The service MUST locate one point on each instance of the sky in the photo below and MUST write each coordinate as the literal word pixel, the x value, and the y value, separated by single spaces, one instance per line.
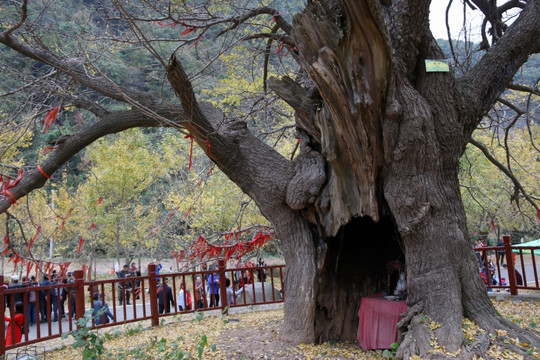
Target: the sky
pixel 438 21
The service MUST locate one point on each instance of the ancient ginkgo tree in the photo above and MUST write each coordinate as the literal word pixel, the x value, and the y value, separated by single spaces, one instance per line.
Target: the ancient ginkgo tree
pixel 376 178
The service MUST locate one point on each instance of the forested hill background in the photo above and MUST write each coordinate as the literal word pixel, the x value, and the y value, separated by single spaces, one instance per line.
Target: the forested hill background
pixel 134 193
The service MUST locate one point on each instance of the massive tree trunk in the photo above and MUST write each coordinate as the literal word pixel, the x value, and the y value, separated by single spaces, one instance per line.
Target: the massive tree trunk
pixel 392 136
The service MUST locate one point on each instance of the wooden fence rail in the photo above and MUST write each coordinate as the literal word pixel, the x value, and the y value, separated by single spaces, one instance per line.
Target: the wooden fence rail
pixel 131 299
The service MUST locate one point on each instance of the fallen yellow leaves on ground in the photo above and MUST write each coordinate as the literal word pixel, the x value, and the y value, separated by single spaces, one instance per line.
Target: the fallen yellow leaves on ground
pixel 255 335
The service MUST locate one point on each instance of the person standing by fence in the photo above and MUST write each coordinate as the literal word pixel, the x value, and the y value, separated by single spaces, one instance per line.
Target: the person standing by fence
pixel 213 288
pixel 165 297
pixel 44 295
pixel 124 287
pixel 102 314
pixel 262 272
pixel 500 253
pixel 32 314
pixel 184 298
pixel 15 324
pixel 200 296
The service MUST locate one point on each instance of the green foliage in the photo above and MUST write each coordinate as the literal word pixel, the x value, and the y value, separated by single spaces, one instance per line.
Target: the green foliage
pixel 487 192
pixel 134 330
pixel 391 354
pixel 90 340
pixel 163 349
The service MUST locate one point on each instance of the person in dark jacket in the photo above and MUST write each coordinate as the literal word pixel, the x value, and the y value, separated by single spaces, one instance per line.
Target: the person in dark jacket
pixel 44 295
pixel 17 297
pixel 165 297
pixel 101 310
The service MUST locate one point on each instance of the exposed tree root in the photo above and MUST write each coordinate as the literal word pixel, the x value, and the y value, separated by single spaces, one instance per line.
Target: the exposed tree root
pixel 495 335
pixel 416 340
pixel 509 329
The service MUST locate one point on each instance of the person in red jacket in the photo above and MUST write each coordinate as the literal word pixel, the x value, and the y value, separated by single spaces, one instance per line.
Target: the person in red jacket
pixel 16 322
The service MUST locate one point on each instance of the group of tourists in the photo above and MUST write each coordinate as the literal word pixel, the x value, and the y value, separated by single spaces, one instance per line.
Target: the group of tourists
pixel 205 293
pixel 52 303
pixel 488 268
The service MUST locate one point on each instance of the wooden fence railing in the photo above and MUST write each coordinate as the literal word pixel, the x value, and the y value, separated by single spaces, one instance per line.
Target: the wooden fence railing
pixel 132 299
pixel 518 275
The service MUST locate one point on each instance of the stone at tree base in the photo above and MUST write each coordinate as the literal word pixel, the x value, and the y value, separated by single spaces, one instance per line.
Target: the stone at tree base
pixel 248 290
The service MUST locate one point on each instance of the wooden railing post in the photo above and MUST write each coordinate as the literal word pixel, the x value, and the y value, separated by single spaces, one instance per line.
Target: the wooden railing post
pixel 223 286
pixel 79 295
pixel 510 264
pixel 152 283
pixel 2 323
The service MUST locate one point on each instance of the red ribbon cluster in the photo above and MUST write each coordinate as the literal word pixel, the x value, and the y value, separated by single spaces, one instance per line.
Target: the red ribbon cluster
pixel 47 267
pixel 48 149
pixel 281 46
pixel 202 248
pixel 8 184
pixel 50 118
pixel 189 29
pixel 178 255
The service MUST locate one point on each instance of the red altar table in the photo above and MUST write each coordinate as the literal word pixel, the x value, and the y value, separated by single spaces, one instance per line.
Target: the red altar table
pixel 377 322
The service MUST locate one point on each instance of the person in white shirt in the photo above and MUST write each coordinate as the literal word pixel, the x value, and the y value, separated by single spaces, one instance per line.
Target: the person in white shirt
pixel 184 298
pixel 231 294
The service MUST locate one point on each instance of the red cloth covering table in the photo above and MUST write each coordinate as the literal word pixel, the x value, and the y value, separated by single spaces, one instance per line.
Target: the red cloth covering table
pixel 377 322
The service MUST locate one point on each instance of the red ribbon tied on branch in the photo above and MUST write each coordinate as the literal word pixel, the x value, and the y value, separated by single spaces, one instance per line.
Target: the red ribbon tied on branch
pixel 50 118
pixel 189 29
pixel 195 43
pixel 174 23
pixel 48 149
pixel 8 184
pixel 189 136
pixel 33 239
pixel 275 16
pixel 61 227
pixel 81 241
pixel 201 248
pixel 281 46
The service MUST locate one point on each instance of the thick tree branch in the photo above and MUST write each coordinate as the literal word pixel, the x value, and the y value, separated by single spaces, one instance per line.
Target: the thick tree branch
pixel 491 76
pixel 238 20
pixel 259 170
pixel 77 70
pixel 72 144
pixel 501 167
pixel 524 88
pixel 24 16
